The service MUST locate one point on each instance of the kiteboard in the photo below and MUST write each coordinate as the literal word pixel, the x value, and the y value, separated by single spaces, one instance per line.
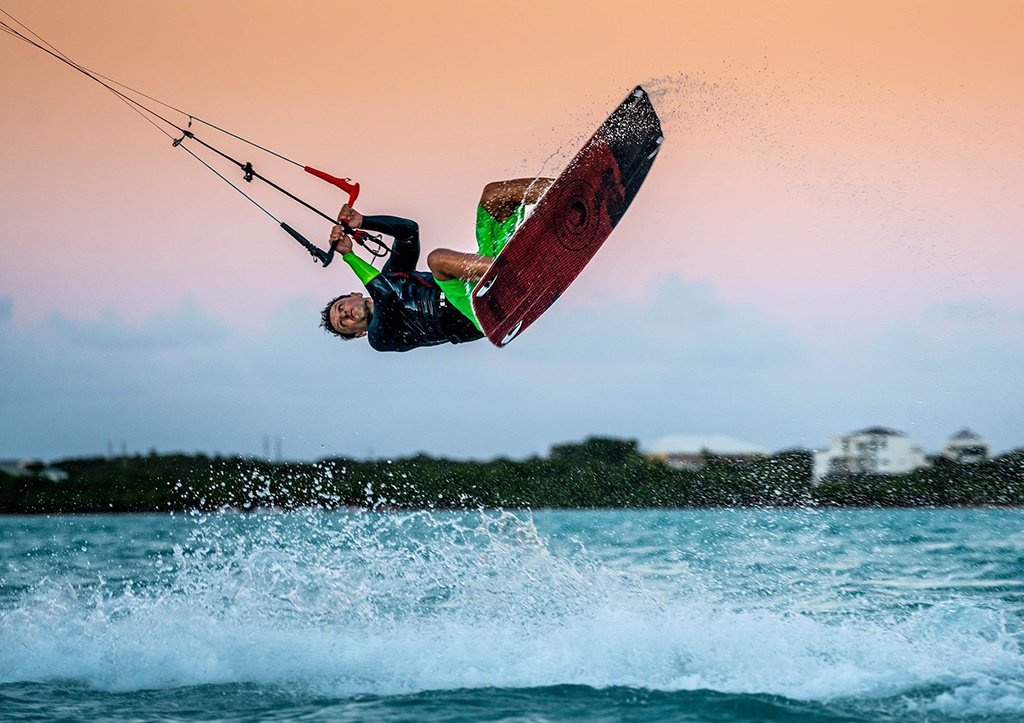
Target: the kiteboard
pixel 570 223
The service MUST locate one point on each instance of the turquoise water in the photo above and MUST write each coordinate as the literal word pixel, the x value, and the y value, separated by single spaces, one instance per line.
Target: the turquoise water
pixel 610 615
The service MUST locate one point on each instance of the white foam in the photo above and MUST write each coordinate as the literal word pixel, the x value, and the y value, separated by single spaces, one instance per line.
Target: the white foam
pixel 388 604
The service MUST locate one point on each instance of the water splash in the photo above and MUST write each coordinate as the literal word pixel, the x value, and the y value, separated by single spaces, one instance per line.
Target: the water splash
pixel 367 603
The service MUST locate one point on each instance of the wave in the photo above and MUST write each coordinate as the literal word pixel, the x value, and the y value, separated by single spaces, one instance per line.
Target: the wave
pixel 397 604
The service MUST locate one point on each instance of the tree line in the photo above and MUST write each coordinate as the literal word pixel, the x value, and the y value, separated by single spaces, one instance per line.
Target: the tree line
pixel 595 473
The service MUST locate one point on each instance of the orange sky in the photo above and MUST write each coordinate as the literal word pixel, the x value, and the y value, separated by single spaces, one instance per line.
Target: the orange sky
pixel 794 128
pixel 839 206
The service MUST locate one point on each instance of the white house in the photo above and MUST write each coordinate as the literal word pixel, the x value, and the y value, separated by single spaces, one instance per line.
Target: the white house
pixel 875 450
pixel 966 447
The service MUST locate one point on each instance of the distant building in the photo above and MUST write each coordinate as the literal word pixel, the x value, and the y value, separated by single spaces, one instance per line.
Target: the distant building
pixel 875 450
pixel 965 447
pixel 691 452
pixel 31 468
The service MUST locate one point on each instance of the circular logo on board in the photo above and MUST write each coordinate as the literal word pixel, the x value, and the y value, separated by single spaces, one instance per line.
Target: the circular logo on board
pixel 577 216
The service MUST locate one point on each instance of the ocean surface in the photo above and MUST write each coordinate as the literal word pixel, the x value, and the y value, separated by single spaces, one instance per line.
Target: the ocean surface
pixel 696 615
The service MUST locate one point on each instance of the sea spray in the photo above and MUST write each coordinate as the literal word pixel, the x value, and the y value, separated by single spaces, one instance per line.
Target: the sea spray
pixel 365 603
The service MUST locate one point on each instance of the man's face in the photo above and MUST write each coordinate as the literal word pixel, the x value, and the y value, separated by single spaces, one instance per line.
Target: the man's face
pixel 351 314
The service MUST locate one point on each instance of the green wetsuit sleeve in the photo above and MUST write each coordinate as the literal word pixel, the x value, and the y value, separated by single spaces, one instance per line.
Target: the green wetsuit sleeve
pixel 364 271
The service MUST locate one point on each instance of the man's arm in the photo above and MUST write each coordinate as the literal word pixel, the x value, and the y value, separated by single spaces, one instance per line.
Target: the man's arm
pixel 342 243
pixel 405 251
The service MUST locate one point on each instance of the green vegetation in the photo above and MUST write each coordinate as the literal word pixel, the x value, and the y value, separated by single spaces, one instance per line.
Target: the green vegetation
pixel 595 473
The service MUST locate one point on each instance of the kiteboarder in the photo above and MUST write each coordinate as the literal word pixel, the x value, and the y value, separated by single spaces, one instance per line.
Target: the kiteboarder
pixel 406 308
pixel 465 296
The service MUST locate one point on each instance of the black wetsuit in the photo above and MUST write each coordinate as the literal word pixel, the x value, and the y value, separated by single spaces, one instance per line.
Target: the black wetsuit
pixel 409 309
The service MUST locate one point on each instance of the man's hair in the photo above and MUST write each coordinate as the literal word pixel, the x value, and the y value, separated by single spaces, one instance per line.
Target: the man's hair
pixel 325 319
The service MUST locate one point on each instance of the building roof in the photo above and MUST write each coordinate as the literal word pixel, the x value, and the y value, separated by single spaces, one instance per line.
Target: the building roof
pixel 881 432
pixel 697 443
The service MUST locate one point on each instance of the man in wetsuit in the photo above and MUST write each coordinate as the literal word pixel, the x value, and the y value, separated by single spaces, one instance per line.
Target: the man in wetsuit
pixel 407 308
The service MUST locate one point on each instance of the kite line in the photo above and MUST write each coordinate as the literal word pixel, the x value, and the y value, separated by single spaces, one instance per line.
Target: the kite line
pixel 183 135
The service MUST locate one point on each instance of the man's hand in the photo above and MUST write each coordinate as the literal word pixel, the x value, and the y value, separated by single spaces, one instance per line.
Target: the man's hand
pixel 350 216
pixel 341 241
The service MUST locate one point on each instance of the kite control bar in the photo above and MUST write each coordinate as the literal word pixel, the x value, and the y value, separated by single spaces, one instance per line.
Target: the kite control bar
pixel 358 236
pixel 350 187
pixel 325 257
pixel 346 184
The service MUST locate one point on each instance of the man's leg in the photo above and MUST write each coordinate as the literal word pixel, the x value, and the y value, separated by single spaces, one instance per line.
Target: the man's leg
pixel 502 208
pixel 446 265
pixel 456 274
pixel 501 198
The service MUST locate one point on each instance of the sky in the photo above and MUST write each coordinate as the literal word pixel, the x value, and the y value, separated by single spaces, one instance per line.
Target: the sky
pixel 830 239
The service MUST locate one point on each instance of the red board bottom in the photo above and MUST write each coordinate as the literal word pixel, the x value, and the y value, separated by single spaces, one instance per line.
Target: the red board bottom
pixel 571 222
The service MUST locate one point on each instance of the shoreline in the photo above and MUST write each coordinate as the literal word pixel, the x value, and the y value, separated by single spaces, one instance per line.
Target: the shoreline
pixel 594 474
